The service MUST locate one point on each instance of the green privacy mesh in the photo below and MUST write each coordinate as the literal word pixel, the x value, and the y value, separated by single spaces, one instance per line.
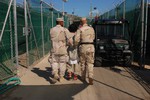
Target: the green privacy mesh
pixel 35 41
pixel 131 9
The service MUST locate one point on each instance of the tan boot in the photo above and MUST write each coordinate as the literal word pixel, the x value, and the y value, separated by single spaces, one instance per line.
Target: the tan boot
pixel 56 77
pixel 90 81
pixel 61 79
pixel 53 81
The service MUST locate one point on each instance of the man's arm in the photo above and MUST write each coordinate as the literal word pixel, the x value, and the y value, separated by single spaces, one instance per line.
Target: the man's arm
pixel 68 37
pixel 93 34
pixel 77 37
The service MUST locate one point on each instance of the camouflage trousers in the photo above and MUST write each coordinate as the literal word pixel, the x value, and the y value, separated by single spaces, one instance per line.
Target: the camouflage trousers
pixel 87 61
pixel 59 65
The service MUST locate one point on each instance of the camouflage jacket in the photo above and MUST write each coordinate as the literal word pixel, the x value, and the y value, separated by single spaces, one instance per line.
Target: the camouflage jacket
pixel 59 38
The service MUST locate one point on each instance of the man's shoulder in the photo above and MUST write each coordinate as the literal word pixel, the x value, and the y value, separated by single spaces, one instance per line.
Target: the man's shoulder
pixel 57 27
pixel 89 27
pixel 85 27
pixel 65 28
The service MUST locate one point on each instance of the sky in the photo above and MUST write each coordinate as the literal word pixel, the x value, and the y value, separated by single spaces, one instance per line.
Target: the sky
pixel 82 7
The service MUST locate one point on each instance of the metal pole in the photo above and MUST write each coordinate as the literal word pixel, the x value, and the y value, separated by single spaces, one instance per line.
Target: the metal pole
pixel 58 15
pixel 107 26
pixel 115 18
pixel 145 38
pixel 26 32
pixel 52 19
pixel 142 35
pixel 91 8
pixel 124 14
pixel 15 30
pixel 63 9
pixel 5 21
pixel 42 29
pixel 108 14
pixel 11 38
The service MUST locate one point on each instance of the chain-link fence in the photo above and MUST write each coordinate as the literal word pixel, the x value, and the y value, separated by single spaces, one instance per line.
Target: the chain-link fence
pixel 33 40
pixel 135 12
pixel 7 69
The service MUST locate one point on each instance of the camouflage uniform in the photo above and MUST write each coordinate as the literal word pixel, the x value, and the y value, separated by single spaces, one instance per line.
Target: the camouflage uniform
pixel 59 35
pixel 85 35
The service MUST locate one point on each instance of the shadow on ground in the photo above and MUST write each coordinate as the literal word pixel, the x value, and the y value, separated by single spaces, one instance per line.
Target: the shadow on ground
pixel 135 71
pixel 117 89
pixel 46 74
pixel 141 75
pixel 147 61
pixel 47 92
pixel 144 74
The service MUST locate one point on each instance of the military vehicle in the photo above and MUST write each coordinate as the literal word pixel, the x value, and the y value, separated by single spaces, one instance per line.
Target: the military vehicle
pixel 112 42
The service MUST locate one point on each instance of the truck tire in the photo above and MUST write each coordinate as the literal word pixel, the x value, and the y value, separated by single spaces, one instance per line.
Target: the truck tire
pixel 128 61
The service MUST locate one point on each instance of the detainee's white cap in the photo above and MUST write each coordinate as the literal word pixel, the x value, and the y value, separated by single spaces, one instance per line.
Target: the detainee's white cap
pixel 60 19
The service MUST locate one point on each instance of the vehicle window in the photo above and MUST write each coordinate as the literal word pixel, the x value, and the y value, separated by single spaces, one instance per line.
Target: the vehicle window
pixel 106 31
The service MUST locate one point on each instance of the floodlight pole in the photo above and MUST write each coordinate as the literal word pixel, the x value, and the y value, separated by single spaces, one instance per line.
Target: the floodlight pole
pixel 63 9
pixel 91 9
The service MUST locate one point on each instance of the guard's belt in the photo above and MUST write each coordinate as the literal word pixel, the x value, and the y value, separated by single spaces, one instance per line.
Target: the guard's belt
pixel 86 43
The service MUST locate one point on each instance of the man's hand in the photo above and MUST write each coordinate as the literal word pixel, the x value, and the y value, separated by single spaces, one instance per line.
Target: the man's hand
pixel 70 42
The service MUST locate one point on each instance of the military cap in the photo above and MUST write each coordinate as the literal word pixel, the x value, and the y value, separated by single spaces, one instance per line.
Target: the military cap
pixel 60 19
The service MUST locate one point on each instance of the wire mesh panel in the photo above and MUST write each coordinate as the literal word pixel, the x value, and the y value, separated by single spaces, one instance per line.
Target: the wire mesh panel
pixel 120 10
pixel 35 41
pixel 7 68
pixel 35 23
pixel 133 15
pixel 148 35
pixel 112 14
pixel 21 36
pixel 131 10
pixel 47 25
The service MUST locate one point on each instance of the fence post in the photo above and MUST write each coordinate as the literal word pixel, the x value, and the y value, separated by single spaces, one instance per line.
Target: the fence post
pixel 15 31
pixel 145 33
pixel 124 14
pixel 26 32
pixel 142 35
pixel 5 21
pixel 58 15
pixel 52 18
pixel 42 31
pixel 11 39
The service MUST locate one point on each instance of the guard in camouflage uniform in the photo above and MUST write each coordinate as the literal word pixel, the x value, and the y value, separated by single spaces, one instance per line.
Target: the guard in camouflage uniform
pixel 85 37
pixel 59 36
